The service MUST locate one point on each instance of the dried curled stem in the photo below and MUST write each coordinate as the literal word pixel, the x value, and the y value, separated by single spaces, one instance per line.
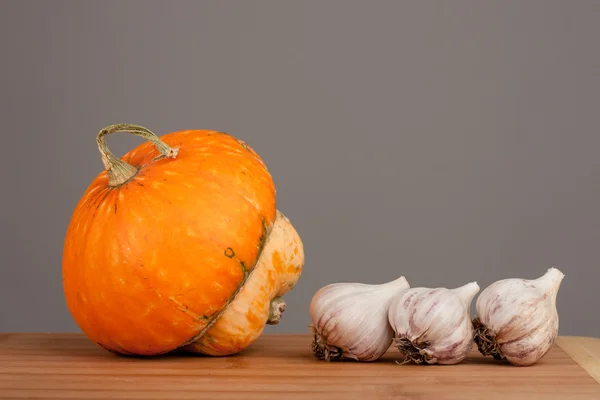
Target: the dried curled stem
pixel 486 340
pixel 118 170
pixel 323 351
pixel 276 310
pixel 414 351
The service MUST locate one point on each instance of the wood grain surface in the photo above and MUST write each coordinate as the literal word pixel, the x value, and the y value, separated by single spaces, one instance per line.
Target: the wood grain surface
pixel 68 366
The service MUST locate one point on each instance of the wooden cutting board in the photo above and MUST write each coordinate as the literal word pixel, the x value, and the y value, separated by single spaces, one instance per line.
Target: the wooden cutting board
pixel 68 366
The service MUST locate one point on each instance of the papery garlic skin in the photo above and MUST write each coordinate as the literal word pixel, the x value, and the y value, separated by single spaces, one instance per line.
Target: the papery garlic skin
pixel 349 320
pixel 433 325
pixel 517 319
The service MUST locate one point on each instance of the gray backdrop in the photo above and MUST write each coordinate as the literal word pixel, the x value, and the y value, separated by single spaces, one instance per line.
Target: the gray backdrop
pixel 444 141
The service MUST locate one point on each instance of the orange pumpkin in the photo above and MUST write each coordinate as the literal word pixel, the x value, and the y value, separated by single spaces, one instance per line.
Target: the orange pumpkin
pixel 179 245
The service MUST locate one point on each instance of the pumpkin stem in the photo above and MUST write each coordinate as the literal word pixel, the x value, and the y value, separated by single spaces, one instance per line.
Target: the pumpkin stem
pixel 118 170
pixel 276 310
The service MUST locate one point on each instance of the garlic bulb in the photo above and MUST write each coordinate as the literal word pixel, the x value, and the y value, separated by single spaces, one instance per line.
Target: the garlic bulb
pixel 349 320
pixel 517 319
pixel 433 325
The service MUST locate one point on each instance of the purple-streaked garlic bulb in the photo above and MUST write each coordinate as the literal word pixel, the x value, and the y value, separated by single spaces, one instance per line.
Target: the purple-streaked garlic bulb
pixel 349 320
pixel 517 320
pixel 433 325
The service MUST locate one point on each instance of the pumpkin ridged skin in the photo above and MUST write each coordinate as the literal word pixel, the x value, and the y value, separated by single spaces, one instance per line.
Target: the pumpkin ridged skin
pixel 148 264
pixel 277 272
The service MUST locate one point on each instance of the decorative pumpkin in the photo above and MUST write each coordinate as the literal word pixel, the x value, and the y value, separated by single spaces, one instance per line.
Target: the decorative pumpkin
pixel 179 245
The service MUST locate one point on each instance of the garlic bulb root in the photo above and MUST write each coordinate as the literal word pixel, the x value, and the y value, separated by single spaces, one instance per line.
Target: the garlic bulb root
pixel 517 320
pixel 349 320
pixel 433 325
pixel 486 341
pixel 323 351
pixel 415 352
